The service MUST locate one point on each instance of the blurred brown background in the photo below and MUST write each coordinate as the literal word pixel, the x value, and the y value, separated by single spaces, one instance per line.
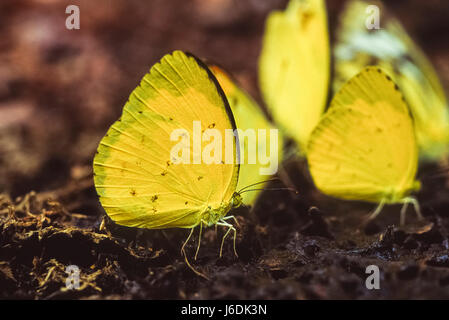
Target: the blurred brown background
pixel 60 89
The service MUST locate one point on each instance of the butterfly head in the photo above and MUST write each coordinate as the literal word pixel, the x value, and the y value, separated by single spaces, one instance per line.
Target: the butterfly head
pixel 236 200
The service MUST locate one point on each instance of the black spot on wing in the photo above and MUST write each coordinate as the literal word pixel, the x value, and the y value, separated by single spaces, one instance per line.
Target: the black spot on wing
pixel 225 102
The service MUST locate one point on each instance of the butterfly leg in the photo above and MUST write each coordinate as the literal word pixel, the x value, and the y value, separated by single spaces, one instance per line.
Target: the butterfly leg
pixel 417 208
pixel 406 201
pixel 377 210
pixel 230 227
pixel 415 204
pixel 183 252
pixel 187 240
pixel 231 217
pixel 403 211
pixel 199 240
pixel 222 241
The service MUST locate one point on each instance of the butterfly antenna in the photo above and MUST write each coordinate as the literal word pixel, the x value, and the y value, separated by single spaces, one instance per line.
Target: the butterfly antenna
pixel 260 182
pixel 271 189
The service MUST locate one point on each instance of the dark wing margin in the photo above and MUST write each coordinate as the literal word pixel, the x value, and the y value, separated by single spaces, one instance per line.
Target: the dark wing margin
pixel 226 103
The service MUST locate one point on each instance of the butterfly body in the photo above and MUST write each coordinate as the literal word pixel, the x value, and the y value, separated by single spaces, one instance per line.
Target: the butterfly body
pixel 212 215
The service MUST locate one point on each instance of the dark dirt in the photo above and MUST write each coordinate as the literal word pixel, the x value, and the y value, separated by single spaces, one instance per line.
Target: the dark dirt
pixel 59 91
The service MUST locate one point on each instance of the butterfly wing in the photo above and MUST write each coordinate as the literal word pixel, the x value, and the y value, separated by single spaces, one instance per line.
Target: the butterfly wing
pixel 294 67
pixel 139 182
pixel 248 115
pixel 364 147
pixel 391 48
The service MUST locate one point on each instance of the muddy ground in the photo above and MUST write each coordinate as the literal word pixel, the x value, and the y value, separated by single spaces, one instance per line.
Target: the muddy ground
pixel 61 89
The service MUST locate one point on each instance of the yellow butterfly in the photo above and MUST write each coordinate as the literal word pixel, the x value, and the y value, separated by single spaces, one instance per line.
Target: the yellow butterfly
pixel 391 48
pixel 248 115
pixel 294 67
pixel 140 181
pixel 364 147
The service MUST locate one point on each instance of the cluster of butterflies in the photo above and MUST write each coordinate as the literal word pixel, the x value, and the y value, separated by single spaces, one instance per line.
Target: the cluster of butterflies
pixel 389 112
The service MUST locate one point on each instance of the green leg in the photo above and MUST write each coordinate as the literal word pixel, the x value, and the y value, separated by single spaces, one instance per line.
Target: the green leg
pixel 231 217
pixel 377 210
pixel 230 227
pixel 183 252
pixel 187 240
pixel 403 211
pixel 199 239
pixel 415 204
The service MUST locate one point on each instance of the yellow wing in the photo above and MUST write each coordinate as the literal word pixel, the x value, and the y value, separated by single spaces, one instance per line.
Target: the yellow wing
pixel 391 48
pixel 294 67
pixel 248 115
pixel 364 147
pixel 139 182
